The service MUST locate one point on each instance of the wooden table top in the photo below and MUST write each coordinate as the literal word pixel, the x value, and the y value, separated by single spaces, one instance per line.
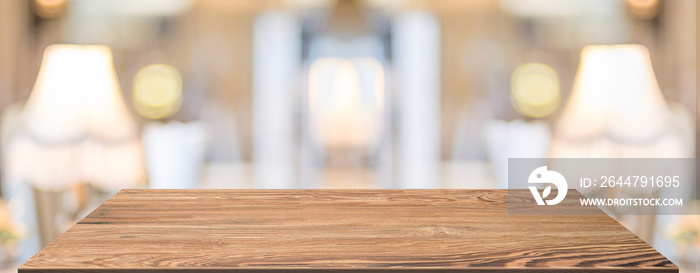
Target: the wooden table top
pixel 338 231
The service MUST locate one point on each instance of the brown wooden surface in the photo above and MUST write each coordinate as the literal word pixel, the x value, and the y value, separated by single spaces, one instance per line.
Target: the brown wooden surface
pixel 338 230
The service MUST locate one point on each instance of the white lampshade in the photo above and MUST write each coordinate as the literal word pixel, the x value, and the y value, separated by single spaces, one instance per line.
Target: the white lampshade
pixel 346 102
pixel 615 101
pixel 615 93
pixel 76 96
pixel 75 126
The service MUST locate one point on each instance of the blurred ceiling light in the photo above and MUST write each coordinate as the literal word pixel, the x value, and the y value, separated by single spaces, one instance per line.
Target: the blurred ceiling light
pixel 309 4
pixel 386 4
pixel 75 126
pixel 450 6
pixel 551 8
pixel 346 102
pixel 150 7
pixel 49 9
pixel 643 9
pixel 227 6
pixel 615 98
pixel 157 91
pixel 535 90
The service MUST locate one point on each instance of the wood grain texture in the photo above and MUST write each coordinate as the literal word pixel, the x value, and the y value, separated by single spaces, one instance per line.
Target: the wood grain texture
pixel 338 231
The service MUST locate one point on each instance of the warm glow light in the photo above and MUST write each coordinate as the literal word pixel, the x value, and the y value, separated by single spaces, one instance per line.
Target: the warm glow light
pixel 77 94
pixel 75 127
pixel 615 92
pixel 157 91
pixel 346 101
pixel 616 108
pixel 49 8
pixel 644 9
pixel 535 90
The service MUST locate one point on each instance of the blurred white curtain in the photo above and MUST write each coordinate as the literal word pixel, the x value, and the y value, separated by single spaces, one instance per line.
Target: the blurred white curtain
pixel 416 56
pixel 276 63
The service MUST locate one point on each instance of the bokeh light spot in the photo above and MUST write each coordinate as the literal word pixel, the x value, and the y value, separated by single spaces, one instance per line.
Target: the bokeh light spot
pixel 535 90
pixel 157 91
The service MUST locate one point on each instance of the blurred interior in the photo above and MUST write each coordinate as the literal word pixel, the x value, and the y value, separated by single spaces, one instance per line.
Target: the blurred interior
pixel 331 94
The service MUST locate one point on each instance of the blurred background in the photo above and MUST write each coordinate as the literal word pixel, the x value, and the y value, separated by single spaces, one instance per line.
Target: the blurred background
pixel 99 95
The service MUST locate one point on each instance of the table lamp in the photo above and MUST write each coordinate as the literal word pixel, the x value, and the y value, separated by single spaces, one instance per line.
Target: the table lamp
pixel 346 103
pixel 616 108
pixel 75 126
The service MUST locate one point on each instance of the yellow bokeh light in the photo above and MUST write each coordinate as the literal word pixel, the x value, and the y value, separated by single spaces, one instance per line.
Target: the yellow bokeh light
pixel 49 9
pixel 157 91
pixel 643 9
pixel 535 90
